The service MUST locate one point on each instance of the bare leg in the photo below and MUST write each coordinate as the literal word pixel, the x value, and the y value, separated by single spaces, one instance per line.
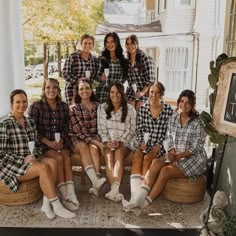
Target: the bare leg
pixel 60 167
pixel 166 173
pixel 147 160
pixel 67 165
pixel 137 162
pixel 120 155
pixel 109 159
pixel 95 154
pixel 84 153
pixel 46 179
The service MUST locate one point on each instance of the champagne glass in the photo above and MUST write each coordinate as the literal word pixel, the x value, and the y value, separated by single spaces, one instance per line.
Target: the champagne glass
pixel 106 72
pixel 114 137
pixel 166 145
pixel 134 87
pixel 31 145
pixel 146 138
pixel 87 73
pixel 57 138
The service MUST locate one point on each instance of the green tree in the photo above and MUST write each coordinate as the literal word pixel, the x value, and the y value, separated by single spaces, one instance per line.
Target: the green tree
pixel 58 21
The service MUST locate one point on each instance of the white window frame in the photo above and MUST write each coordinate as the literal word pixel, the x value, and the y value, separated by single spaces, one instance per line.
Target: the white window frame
pixel 177 68
pixel 180 5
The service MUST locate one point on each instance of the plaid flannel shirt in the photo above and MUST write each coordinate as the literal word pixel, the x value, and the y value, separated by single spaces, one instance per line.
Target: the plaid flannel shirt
pixel 142 77
pixel 74 69
pixel 14 148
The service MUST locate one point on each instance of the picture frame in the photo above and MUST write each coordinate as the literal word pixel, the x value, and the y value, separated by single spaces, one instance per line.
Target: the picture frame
pixel 224 113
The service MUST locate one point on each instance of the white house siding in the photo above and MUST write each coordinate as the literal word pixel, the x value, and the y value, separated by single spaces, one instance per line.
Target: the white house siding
pixel 179 20
pixel 11 48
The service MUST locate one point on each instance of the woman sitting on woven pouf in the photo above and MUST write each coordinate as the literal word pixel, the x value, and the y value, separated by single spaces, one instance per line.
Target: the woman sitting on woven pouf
pixel 186 153
pixel 51 116
pixel 21 159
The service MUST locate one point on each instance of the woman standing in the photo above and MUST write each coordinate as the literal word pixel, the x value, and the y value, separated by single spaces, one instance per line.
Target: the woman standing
pixel 84 135
pixel 112 66
pixel 116 126
pixel 20 164
pixel 77 64
pixel 151 130
pixel 141 72
pixel 186 138
pixel 51 116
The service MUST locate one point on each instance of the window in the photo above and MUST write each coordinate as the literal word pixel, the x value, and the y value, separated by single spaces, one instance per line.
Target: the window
pixel 176 68
pixel 231 41
pixel 184 4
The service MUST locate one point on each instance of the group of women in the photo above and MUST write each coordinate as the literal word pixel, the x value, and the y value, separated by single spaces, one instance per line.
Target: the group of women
pixel 98 125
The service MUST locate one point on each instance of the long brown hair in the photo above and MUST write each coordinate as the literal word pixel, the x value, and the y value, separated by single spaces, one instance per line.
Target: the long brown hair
pixel 55 82
pixel 123 104
pixel 192 100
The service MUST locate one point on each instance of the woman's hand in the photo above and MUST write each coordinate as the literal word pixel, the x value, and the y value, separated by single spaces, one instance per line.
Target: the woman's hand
pixel 29 159
pixel 138 95
pixel 143 147
pixel 156 148
pixel 55 145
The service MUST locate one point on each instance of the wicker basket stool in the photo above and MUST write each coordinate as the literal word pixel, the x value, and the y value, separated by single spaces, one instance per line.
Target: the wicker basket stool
pixel 27 193
pixel 185 190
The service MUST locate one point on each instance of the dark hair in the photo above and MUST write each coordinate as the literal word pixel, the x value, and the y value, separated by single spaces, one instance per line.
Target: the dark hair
pixel 15 92
pixel 192 100
pixel 77 98
pixel 105 55
pixel 55 82
pixel 124 105
pixel 134 40
pixel 159 85
pixel 86 36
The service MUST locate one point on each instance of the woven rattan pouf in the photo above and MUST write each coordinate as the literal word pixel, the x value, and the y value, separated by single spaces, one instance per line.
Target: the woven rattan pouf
pixel 185 190
pixel 27 193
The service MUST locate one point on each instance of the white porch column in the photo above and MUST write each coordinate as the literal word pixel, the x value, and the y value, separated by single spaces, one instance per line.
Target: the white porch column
pixel 11 52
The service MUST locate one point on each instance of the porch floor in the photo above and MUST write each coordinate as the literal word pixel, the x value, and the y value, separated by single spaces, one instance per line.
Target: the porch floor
pixel 106 216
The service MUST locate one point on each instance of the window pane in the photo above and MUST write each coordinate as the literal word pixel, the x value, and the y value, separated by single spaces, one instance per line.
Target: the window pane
pixel 186 2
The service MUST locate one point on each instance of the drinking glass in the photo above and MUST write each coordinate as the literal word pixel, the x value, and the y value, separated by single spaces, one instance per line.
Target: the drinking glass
pixel 146 138
pixel 87 73
pixel 57 138
pixel 166 145
pixel 114 137
pixel 134 87
pixel 106 72
pixel 31 145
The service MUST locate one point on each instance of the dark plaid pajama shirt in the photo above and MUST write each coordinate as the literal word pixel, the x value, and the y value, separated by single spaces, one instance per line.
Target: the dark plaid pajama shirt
pixel 190 137
pixel 50 121
pixel 142 77
pixel 83 123
pixel 156 127
pixel 14 148
pixel 74 69
pixel 115 74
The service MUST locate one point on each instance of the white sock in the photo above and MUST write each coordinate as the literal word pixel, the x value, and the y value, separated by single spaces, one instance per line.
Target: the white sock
pixel 96 182
pixel 47 208
pixel 135 184
pixel 147 202
pixel 140 198
pixel 113 192
pixel 62 188
pixel 59 210
pixel 70 190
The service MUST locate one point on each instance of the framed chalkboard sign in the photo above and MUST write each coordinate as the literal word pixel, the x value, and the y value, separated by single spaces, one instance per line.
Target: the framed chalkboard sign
pixel 224 114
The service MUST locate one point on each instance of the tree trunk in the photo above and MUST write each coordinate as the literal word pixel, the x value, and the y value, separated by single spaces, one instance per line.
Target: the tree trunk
pixel 46 47
pixel 59 58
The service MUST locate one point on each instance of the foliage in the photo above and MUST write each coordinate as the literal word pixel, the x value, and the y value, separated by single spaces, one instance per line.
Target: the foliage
pixel 215 136
pixel 230 226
